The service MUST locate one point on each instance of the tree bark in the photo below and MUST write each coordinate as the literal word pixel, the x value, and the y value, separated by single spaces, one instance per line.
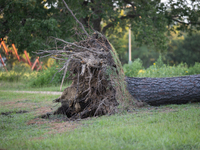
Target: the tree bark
pixel 159 91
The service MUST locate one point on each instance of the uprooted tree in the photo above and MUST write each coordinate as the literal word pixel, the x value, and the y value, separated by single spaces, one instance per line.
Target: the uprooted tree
pixel 98 82
pixel 98 85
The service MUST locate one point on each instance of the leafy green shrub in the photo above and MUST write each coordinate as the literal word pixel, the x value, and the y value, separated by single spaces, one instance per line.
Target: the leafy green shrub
pixel 164 71
pixel 47 77
pixel 22 68
pixel 159 69
pixel 194 69
pixel 132 69
pixel 159 62
pixel 10 76
pixel 13 76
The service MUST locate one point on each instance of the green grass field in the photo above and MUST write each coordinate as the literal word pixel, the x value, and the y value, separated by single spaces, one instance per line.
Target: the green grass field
pixel 171 127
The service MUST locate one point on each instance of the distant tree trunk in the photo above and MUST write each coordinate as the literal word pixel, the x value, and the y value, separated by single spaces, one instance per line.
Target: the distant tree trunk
pixel 159 91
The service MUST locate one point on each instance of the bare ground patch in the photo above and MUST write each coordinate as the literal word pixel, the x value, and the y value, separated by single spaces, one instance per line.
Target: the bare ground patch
pixel 62 127
pixel 43 110
pixel 37 121
pixel 19 104
pixel 7 104
pixel 55 125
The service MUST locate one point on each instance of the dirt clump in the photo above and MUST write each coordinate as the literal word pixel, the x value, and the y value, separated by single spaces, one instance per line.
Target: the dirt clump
pixel 13 112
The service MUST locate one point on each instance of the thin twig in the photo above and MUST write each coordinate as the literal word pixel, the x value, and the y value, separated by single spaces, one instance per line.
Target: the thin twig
pixel 81 47
pixel 76 19
pixel 66 67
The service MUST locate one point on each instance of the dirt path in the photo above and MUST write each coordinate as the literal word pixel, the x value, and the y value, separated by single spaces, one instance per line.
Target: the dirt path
pixel 39 92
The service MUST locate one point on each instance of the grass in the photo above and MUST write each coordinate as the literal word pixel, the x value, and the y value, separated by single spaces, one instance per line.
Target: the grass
pixel 22 86
pixel 165 127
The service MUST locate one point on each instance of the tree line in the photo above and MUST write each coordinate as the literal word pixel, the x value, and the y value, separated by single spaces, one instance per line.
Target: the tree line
pixel 30 23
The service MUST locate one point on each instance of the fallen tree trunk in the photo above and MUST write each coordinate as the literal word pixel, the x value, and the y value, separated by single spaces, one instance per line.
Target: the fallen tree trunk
pixel 159 91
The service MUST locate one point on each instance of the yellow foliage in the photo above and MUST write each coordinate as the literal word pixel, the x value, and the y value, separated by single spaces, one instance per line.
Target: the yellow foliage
pixel 50 62
pixel 119 29
pixel 122 13
pixel 19 74
pixel 141 71
pixel 45 7
pixel 30 75
pixel 1 16
pixel 175 34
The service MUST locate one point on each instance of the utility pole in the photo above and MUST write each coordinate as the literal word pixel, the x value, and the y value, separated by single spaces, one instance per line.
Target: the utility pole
pixel 129 61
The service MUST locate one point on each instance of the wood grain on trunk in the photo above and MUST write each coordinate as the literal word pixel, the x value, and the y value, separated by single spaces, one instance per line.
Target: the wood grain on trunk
pixel 159 91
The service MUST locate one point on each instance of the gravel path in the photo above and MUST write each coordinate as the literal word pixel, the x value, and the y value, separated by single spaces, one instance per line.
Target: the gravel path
pixel 38 92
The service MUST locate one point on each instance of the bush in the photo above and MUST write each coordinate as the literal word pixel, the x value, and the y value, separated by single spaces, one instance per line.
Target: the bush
pixel 10 76
pixel 47 78
pixel 195 69
pixel 132 69
pixel 159 69
pixel 19 72
pixel 164 71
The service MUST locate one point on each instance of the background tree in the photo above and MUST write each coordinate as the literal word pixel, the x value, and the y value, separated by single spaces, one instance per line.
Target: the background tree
pixel 184 50
pixel 147 54
pixel 27 23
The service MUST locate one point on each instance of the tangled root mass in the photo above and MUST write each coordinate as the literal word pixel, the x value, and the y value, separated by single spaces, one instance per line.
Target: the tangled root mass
pixel 92 92
pixel 98 85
